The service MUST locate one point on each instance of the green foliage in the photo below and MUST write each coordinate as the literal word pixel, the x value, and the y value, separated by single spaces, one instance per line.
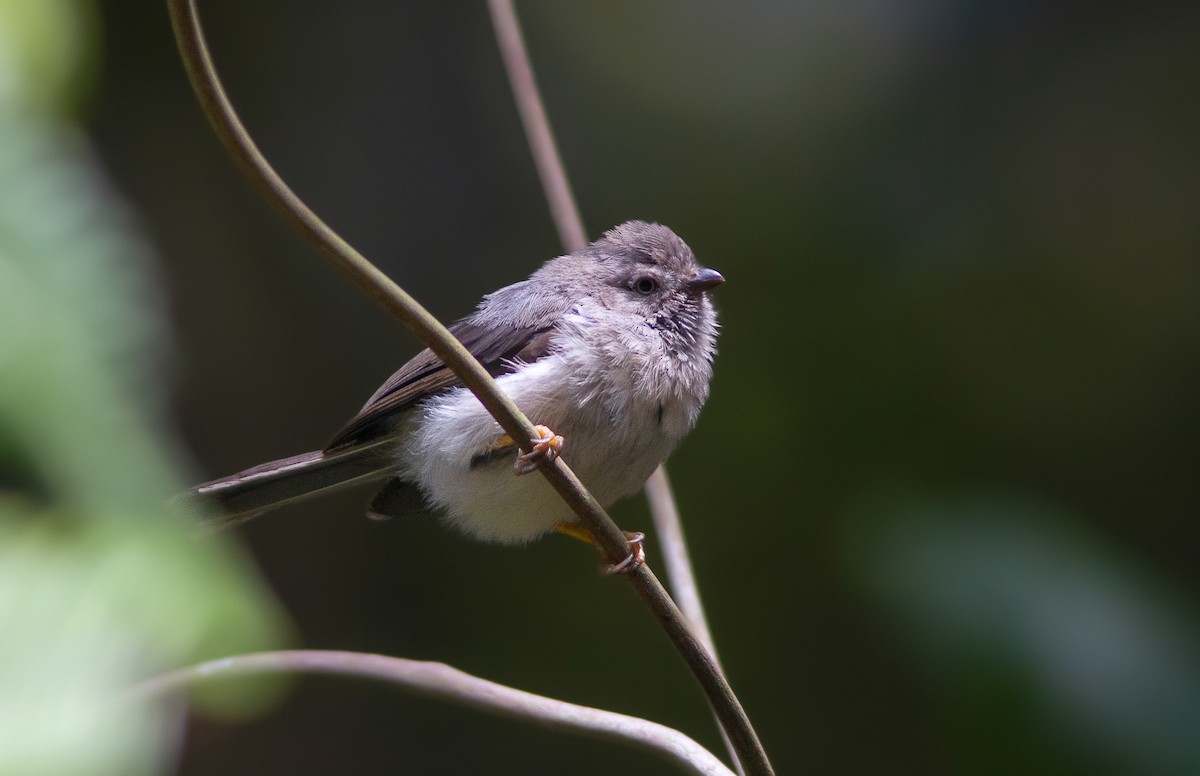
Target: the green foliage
pixel 1051 653
pixel 100 585
pixel 47 50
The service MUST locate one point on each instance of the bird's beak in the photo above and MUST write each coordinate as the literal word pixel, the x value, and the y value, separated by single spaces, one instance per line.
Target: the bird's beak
pixel 704 280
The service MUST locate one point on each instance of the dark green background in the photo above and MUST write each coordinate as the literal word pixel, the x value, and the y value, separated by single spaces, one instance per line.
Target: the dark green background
pixel 943 501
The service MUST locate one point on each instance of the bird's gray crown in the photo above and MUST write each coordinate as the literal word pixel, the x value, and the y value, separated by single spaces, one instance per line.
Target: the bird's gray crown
pixel 644 243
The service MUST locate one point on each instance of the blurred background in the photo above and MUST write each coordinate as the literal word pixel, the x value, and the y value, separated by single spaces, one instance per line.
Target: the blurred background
pixel 943 501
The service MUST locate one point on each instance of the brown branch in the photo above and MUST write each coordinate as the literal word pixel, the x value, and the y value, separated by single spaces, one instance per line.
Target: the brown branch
pixel 442 682
pixel 395 300
pixel 377 285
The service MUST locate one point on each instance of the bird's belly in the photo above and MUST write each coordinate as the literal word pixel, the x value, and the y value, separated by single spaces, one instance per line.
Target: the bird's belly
pixel 613 457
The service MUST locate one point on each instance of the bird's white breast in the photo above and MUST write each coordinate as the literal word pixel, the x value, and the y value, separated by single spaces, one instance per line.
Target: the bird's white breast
pixel 620 400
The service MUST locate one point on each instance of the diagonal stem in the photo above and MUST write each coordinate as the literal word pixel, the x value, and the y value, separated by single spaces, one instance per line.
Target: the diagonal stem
pixel 375 283
pixel 395 300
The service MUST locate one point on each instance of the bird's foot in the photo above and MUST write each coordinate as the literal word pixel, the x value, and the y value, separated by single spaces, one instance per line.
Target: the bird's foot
pixel 636 557
pixel 546 447
pixel 636 539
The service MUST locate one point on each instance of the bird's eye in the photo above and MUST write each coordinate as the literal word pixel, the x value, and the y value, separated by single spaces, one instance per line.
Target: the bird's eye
pixel 645 285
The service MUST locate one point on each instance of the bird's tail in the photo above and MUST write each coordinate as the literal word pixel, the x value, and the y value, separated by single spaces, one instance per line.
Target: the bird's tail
pixel 267 486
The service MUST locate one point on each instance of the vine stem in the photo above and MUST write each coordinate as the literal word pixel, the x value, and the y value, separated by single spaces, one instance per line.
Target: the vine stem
pixel 440 681
pixel 611 541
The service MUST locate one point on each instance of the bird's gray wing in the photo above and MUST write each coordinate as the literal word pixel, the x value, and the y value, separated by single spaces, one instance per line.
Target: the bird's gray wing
pixel 497 347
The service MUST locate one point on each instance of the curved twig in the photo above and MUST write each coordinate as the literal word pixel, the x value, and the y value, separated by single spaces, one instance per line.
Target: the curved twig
pixel 395 300
pixel 443 682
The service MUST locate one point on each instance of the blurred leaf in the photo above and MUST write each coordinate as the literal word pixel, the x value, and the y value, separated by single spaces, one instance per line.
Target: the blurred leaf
pixel 46 53
pixel 79 325
pixel 100 585
pixel 1053 652
pixel 88 609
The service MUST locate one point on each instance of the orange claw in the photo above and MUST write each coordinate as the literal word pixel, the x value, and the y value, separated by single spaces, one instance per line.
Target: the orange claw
pixel 637 554
pixel 546 447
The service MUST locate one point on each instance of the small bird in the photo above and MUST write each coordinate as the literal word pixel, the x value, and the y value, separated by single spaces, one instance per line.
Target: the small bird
pixel 610 346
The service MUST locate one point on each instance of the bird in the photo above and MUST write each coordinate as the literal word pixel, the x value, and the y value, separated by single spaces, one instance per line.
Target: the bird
pixel 608 349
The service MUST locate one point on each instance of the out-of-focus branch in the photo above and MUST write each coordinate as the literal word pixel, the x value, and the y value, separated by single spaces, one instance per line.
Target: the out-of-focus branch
pixel 668 529
pixel 565 212
pixel 440 681
pixel 680 576
pixel 570 227
pixel 609 538
pixel 549 164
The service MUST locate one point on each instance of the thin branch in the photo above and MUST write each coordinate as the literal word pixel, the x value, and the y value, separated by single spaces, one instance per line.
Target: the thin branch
pixel 378 286
pixel 565 212
pixel 537 126
pixel 442 682
pixel 669 531
pixel 375 283
pixel 570 227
